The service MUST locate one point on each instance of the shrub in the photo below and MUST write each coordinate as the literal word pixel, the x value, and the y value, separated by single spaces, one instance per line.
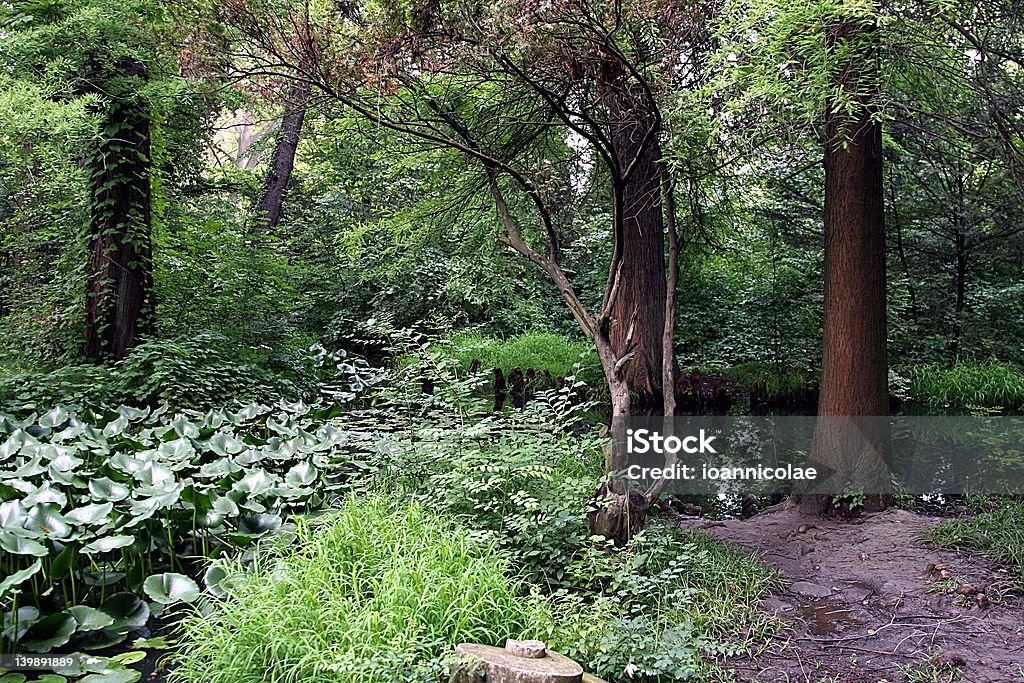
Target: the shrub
pixel 374 592
pixel 969 384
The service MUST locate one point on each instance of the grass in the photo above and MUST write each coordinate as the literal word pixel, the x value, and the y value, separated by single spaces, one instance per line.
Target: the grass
pixel 541 350
pixel 377 591
pixel 775 383
pixel 998 533
pixel 987 384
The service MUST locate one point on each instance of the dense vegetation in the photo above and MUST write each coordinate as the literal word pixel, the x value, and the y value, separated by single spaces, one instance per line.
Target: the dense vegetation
pixel 313 315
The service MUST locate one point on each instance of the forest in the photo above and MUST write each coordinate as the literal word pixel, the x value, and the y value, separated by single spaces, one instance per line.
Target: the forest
pixel 323 324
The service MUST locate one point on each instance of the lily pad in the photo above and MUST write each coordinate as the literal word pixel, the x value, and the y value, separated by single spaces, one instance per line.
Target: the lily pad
pixel 47 520
pixel 108 543
pixel 106 489
pixel 49 632
pixel 20 545
pixel 169 588
pixel 93 513
pixel 90 618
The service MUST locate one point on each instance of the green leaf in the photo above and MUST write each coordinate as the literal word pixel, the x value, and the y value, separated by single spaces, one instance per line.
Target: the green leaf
pixel 105 489
pixel 46 519
pixel 49 632
pixel 108 543
pixel 169 588
pixel 93 513
pixel 54 418
pixel 302 474
pixel 113 676
pixel 129 611
pixel 20 545
pixel 90 618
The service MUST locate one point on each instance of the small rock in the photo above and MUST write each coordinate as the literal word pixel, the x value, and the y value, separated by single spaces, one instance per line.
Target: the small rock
pixel 804 528
pixel 811 590
pixel 981 600
pixel 967 589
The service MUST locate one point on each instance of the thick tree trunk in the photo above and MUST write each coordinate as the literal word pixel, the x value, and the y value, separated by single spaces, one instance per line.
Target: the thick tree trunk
pixel 638 308
pixel 120 275
pixel 271 204
pixel 854 381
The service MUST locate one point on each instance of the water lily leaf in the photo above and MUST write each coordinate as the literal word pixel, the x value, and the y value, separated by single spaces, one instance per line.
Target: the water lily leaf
pixel 55 418
pixel 64 562
pixel 46 494
pixel 106 489
pixel 19 545
pixel 49 632
pixel 121 675
pixel 154 474
pixel 256 482
pixel 123 462
pixel 101 578
pixel 219 468
pixel 108 543
pixel 19 577
pixel 169 588
pixel 179 449
pixel 302 474
pixel 51 678
pixel 65 461
pixel 132 414
pixel 184 427
pixel 13 678
pixel 46 519
pixel 93 513
pixel 12 514
pixel 129 658
pixel 12 445
pixel 224 444
pixel 258 525
pixel 130 612
pixel 32 468
pixel 142 510
pixel 116 427
pixel 90 618
pixel 15 624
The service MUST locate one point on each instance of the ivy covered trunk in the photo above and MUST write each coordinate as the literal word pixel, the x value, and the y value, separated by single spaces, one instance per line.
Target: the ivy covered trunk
pixel 120 275
pixel 271 206
pixel 854 381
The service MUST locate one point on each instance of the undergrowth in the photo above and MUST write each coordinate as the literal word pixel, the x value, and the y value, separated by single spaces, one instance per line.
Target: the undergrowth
pixel 988 384
pixel 998 533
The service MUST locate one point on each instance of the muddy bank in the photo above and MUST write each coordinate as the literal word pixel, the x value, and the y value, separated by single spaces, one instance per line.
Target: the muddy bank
pixel 868 601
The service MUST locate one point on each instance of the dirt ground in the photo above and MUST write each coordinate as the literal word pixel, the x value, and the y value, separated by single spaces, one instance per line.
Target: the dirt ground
pixel 868 601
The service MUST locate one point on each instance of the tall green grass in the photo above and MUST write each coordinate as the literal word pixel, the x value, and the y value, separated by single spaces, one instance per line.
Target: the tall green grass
pixel 988 384
pixel 998 533
pixel 541 350
pixel 377 592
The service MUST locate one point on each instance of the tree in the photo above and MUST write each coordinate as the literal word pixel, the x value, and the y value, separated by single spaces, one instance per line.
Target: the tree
pixel 854 371
pixel 120 273
pixel 511 86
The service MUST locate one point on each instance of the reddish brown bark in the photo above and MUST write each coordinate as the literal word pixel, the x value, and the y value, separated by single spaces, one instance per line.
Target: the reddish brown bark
pixel 638 306
pixel 854 379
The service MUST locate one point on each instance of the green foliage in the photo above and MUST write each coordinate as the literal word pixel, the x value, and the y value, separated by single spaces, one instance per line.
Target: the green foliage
pixel 199 372
pixel 97 501
pixel 376 591
pixel 539 350
pixel 989 384
pixel 998 533
pixel 774 382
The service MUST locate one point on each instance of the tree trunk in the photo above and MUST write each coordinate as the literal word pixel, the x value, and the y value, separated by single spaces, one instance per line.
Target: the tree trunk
pixel 854 379
pixel 120 276
pixel 271 203
pixel 638 308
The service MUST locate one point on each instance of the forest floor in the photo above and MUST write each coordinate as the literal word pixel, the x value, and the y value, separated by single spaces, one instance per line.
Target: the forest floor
pixel 869 601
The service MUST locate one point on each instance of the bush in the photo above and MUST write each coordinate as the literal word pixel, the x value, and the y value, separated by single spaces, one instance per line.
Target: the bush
pixel 969 384
pixel 200 371
pixel 374 592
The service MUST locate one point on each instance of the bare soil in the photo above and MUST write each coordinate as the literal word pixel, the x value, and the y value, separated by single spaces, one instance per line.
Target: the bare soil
pixel 869 601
